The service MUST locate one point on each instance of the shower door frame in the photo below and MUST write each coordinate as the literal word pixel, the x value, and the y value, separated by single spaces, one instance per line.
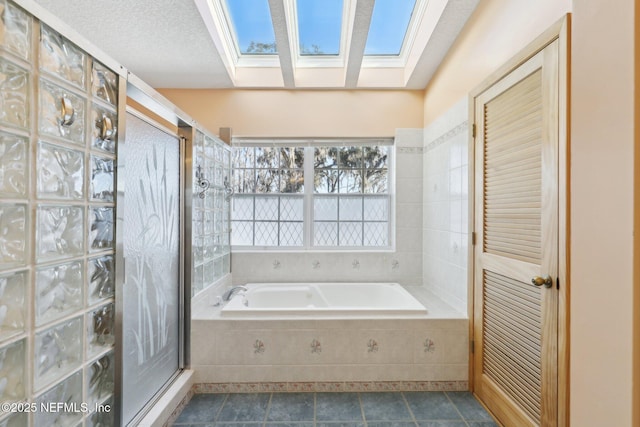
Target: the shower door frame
pixel 139 91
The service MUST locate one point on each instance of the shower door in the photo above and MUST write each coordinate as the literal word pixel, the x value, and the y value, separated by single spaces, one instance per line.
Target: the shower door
pixel 151 293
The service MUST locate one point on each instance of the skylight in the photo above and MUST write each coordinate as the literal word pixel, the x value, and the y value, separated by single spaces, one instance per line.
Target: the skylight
pixel 251 20
pixel 389 24
pixel 319 26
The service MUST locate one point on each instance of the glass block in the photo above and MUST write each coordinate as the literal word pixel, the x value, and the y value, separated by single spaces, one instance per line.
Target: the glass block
pixel 13 308
pixel 208 274
pixel 244 181
pixel 104 83
pixel 101 274
pixel 226 156
pixel 198 282
pixel 291 233
pixel 13 165
pixel 15 420
pixel 60 172
pixel 266 208
pixel 325 157
pixel 350 181
pixel 267 157
pixel 291 181
pixel 102 179
pixel 217 274
pixel 217 223
pixel 14 95
pixel 13 375
pixel 198 249
pixel 291 208
pixel 103 417
pixel 61 113
pixel 350 208
pixel 243 157
pixel 59 232
pixel 376 208
pixel 69 392
pixel 376 234
pixel 325 208
pixel 15 29
pixel 226 264
pixel 376 180
pixel 217 176
pixel 13 235
pixel 209 218
pixel 208 248
pixel 350 157
pixel 218 151
pixel 100 332
pixel 325 180
pixel 209 147
pixel 267 181
pixel 58 351
pixel 104 129
pixel 58 291
pixel 350 234
pixel 60 57
pixel 242 233
pixel 217 245
pixel 100 380
pixel 325 233
pixel 101 227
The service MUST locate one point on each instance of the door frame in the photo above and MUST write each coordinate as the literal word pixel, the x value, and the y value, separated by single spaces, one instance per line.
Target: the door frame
pixel 558 31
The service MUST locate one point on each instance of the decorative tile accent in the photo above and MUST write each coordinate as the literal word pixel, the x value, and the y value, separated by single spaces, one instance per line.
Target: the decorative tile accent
pixel 355 264
pixel 462 127
pixel 372 346
pixel 316 347
pixel 409 150
pixel 316 264
pixel 178 410
pixel 276 264
pixel 395 264
pixel 331 386
pixel 258 347
pixel 429 346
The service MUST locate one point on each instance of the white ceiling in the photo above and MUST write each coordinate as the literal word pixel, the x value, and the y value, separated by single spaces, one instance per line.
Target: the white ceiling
pixel 168 44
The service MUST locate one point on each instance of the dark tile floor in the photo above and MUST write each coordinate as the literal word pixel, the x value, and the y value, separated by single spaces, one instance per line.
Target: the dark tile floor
pixel 415 409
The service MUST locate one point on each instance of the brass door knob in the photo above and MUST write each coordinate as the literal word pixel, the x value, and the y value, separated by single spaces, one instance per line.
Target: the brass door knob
pixel 547 281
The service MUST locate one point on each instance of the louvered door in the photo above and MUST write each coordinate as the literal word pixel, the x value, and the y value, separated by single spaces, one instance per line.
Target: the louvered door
pixel 516 225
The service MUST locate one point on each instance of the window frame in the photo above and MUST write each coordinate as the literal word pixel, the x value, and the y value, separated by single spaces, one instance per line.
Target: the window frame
pixel 309 194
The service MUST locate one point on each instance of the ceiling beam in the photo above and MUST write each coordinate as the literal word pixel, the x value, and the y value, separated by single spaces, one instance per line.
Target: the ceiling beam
pixel 362 20
pixel 278 17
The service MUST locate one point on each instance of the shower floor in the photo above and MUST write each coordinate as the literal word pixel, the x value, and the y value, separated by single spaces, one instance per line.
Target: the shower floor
pixel 388 409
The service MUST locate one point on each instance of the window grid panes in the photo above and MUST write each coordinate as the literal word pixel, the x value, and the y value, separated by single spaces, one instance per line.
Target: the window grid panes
pixel 347 203
pixel 252 26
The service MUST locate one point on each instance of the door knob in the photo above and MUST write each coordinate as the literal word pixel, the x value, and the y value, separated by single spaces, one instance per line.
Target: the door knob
pixel 547 281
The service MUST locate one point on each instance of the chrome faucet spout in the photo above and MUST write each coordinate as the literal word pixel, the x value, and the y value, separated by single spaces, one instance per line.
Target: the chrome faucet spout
pixel 227 295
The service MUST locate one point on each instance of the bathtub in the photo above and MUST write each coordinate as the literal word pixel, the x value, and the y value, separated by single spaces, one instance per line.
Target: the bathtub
pixel 324 300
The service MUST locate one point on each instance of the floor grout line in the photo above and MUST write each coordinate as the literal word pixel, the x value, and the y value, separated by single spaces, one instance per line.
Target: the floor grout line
pixel 464 420
pixel 364 418
pixel 406 402
pixel 266 414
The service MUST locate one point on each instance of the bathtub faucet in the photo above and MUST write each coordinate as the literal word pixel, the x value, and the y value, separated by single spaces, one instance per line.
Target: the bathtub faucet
pixel 227 295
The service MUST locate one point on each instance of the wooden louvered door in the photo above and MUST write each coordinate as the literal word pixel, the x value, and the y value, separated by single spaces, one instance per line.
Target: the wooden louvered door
pixel 516 226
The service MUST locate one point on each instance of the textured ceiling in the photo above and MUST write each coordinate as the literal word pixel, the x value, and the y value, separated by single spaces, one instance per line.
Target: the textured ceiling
pixel 168 45
pixel 164 42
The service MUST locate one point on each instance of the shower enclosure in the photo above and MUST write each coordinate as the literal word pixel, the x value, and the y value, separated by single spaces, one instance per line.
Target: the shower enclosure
pixel 96 215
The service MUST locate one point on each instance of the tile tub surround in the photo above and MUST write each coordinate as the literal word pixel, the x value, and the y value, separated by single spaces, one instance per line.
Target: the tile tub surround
pixel 365 354
pixel 446 213
pixel 404 265
pixel 425 409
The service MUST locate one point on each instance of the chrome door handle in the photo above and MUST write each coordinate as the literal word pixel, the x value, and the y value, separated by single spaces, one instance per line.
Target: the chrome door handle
pixel 547 281
pixel 107 131
pixel 67 112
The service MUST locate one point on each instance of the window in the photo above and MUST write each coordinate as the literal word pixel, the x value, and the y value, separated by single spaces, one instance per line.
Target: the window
pixel 389 25
pixel 312 196
pixel 251 22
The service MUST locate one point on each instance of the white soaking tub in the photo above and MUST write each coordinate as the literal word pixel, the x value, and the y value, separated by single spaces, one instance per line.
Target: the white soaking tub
pixel 323 299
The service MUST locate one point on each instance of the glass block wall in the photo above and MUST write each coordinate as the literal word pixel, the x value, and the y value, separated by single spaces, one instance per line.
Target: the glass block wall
pixel 58 135
pixel 211 201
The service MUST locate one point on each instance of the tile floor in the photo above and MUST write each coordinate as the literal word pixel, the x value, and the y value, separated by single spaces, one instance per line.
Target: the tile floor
pixel 416 409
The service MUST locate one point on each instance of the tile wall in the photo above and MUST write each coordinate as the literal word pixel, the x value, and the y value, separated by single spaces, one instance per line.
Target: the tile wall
pixel 404 265
pixel 445 234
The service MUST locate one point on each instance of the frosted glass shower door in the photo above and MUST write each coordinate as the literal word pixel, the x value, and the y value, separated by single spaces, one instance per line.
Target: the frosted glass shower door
pixel 151 236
